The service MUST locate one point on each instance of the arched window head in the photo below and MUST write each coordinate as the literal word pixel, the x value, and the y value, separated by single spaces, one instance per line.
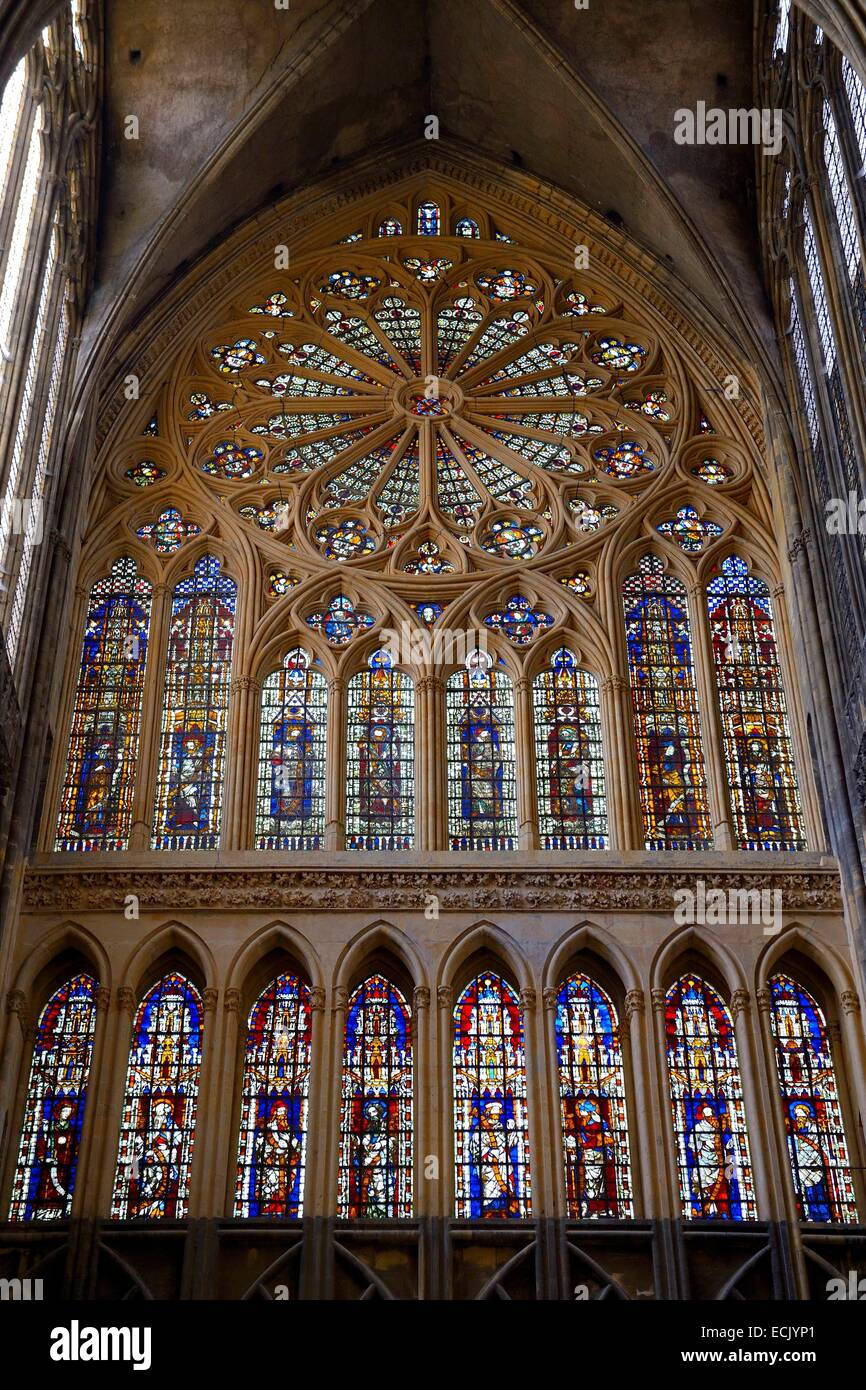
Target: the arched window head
pixel 159 1105
pixel 817 1147
pixel 715 1169
pixel 491 1140
pixel 390 227
pixel 380 798
pixel 272 1142
pixel 376 1127
pixel 592 1094
pixel 429 219
pixel 195 710
pixel 572 813
pixel 290 812
pixel 468 227
pixel 673 785
pixel 482 805
pixel 96 801
pixel 757 741
pixel 44 1181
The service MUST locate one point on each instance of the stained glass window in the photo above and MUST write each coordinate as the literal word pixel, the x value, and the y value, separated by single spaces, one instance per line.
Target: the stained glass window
pixel 512 539
pixel 159 1105
pixel 518 620
pixel 667 728
pixel 376 1158
pixel 482 804
pixel 44 1180
pixel 817 1148
pixel 711 472
pixel 144 472
pixel 466 226
pixel 592 1098
pixel 195 710
pixel 428 220
pixel 380 809
pixel 272 1140
pixel 572 812
pixel 390 227
pixel 491 1139
pixel 290 811
pixel 168 532
pixel 690 531
pixel 96 803
pixel 340 622
pixel 707 1100
pixel 757 741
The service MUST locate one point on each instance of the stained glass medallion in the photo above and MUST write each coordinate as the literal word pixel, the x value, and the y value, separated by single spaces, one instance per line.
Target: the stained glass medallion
pixel 690 531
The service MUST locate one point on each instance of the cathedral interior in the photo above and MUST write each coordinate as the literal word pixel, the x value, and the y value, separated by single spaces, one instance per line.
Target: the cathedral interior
pixel 432 452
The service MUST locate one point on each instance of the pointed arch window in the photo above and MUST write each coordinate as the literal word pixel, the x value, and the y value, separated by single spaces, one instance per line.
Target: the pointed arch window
pixel 195 710
pixel 592 1098
pixel 44 1181
pixel 429 219
pixel 482 800
pixel 272 1143
pixel 102 761
pixel 380 796
pixel 673 785
pixel 815 1130
pixel 292 736
pixel 376 1130
pixel 159 1104
pixel 713 1161
pixel 757 741
pixel 572 811
pixel 491 1132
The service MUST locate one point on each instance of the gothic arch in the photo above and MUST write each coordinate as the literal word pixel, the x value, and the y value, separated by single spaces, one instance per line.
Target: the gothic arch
pixel 484 941
pixel 699 943
pixel 590 939
pixel 174 945
pixel 274 939
pixel 68 940
pixel 372 944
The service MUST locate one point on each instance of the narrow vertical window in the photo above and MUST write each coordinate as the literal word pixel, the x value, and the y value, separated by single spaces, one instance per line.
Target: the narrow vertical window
pixel 826 333
pixel 380 796
pixel 159 1105
pixel 757 741
pixel 482 802
pixel 292 735
pixel 569 765
pixel 195 710
pixel 20 235
pixel 817 1147
pixel 665 703
pixel 376 1159
pixel 709 1116
pixel 857 104
pixel 491 1138
pixel 429 220
pixel 101 765
pixel 44 1181
pixel 272 1142
pixel 592 1097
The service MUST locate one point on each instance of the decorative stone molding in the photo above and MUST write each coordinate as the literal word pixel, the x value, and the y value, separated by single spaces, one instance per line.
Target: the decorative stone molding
pixel 550 997
pixel 633 1003
pixel 614 684
pixel 125 1000
pixel 740 1001
pixel 850 1001
pixel 242 683
pixel 341 999
pixel 232 1001
pixel 799 544
pixel 102 996
pixel 16 1003
pixel 445 997
pixel 659 998
pixel 421 997
pixel 430 683
pixel 473 890
pixel 209 999
pixel 528 997
pixel 765 1000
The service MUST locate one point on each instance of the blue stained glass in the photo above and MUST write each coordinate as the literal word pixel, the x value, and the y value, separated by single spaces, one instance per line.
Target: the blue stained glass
pixel 291 782
pixel 380 812
pixel 340 622
pixel 482 810
pixel 429 219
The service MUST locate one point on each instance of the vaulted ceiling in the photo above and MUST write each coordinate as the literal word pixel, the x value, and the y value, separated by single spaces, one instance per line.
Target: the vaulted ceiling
pixel 240 103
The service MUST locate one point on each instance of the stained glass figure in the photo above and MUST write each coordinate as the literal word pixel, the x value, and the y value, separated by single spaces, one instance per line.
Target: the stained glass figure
pixel 759 755
pixel 654 404
pixel 340 622
pixel 44 1181
pixel 276 306
pixel 665 704
pixel 491 1129
pixel 231 358
pixel 619 355
pixel 627 459
pixel 273 516
pixel 195 710
pixel 280 582
pixel 572 812
pixel 427 613
pixel 505 284
pixel 512 539
pixel 230 460
pixel 96 802
pixel 577 304
pixel 598 1179
pixel 578 583
pixel 518 620
pixel 272 1141
pixel 349 284
pixel 380 809
pixel 704 426
pixel 203 407
pixel 589 517
pixel 712 472
pixel 428 559
pixel 466 227
pixel 709 1116
pixel 390 227
pixel 482 803
pixel 376 1129
pixel 168 532
pixel 144 472
pixel 428 271
pixel 817 1147
pixel 346 539
pixel 690 532
pixel 159 1105
pixel 429 219
pixel 290 807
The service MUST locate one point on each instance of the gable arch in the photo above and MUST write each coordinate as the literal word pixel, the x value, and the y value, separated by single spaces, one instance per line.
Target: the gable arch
pixel 68 943
pixel 589 939
pixel 688 947
pixel 371 947
pixel 245 972
pixel 173 946
pixel 822 956
pixel 490 946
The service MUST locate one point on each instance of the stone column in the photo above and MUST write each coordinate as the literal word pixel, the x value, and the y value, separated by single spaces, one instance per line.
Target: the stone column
pixel 524 743
pixel 442 1130
pixel 241 767
pixel 335 778
pixel 777 1147
pixel 108 1097
pixel 640 1087
pixel 623 804
pixel 813 824
pixel 710 722
pixel 425 1187
pixel 208 1142
pixel 430 782
pixel 766 1189
pixel 144 797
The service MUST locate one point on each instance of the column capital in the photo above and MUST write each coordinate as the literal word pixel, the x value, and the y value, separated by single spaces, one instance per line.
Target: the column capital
pixel 420 998
pixel 445 997
pixel 336 685
pixel 341 999
pixel 430 683
pixel 614 685
pixel 550 997
pixel 16 1003
pixel 317 999
pixel 659 1000
pixel 528 997
pixel 244 683
pixel 740 1003
pixel 778 591
pixel 523 685
pixel 209 999
pixel 232 1000
pixel 764 999
pixel 125 1000
pixel 633 1003
pixel 850 1001
pixel 102 998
